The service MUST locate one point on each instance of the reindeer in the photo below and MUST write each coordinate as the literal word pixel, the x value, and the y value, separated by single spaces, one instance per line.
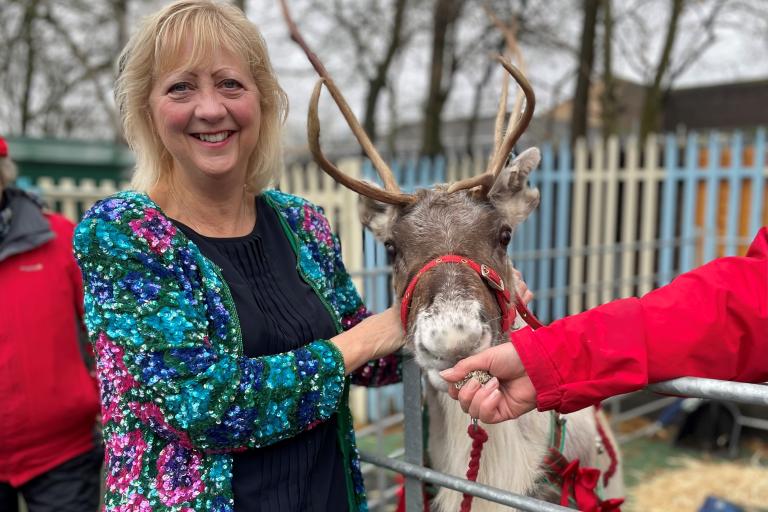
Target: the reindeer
pixel 453 310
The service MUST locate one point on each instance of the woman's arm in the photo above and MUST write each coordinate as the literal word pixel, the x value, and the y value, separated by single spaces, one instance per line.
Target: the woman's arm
pixel 369 371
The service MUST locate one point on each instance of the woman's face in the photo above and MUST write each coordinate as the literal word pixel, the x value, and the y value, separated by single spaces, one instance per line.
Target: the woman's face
pixel 208 117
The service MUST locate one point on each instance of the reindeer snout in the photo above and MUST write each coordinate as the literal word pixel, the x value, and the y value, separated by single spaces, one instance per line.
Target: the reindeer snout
pixel 444 335
pixel 454 341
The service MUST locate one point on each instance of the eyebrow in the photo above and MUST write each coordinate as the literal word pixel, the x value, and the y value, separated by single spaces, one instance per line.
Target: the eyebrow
pixel 227 69
pixel 189 72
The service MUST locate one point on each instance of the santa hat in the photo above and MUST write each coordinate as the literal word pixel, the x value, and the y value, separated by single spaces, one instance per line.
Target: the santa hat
pixel 3 147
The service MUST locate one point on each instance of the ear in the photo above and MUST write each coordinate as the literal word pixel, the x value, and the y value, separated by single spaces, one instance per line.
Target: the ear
pixel 376 216
pixel 510 193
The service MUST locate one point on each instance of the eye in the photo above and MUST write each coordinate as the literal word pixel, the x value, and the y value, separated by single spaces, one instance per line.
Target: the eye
pixel 505 236
pixel 180 87
pixel 230 83
pixel 391 250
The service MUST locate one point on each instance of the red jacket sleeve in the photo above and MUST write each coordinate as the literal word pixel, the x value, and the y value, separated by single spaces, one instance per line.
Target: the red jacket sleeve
pixel 709 322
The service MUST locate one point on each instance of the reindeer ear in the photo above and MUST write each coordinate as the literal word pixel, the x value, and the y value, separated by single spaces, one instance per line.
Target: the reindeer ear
pixel 376 216
pixel 510 193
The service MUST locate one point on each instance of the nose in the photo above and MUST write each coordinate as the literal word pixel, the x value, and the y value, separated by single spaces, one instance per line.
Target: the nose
pixel 210 106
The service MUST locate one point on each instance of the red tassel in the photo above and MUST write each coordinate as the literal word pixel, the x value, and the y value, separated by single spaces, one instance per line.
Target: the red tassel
pixel 479 437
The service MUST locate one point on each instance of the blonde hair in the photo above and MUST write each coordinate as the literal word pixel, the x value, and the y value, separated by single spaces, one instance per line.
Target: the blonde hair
pixel 155 49
pixel 7 171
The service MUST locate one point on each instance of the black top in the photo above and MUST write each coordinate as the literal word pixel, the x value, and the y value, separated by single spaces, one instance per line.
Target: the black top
pixel 278 312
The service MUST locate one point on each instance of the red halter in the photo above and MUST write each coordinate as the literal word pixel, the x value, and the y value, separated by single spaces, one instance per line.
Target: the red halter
pixel 489 276
pixel 503 298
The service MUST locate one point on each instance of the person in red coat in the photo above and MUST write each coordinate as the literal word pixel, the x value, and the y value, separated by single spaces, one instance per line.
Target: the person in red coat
pixel 49 452
pixel 710 322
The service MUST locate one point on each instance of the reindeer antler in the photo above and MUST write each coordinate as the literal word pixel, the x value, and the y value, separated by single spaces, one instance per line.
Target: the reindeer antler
pixel 391 193
pixel 503 147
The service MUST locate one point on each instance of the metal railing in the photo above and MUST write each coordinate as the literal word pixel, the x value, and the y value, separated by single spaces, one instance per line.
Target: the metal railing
pixel 415 473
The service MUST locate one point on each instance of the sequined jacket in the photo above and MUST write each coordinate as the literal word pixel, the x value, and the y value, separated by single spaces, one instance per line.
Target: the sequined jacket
pixel 178 396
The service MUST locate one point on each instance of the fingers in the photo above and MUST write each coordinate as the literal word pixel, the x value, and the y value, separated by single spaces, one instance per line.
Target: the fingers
pixel 490 404
pixel 479 361
pixel 473 393
pixel 482 401
pixel 501 361
pixel 467 393
pixel 480 396
pixel 453 392
pixel 488 411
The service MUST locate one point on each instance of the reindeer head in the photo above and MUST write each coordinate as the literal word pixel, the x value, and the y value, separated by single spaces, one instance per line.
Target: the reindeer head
pixel 455 309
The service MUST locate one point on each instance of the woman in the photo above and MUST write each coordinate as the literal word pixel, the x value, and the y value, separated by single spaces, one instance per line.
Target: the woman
pixel 223 319
pixel 49 452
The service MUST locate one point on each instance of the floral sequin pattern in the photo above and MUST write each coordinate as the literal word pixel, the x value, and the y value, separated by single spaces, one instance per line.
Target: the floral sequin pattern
pixel 136 503
pixel 114 378
pixel 315 222
pixel 178 475
pixel 155 228
pixel 125 453
pixel 152 416
pixel 142 288
pixel 108 209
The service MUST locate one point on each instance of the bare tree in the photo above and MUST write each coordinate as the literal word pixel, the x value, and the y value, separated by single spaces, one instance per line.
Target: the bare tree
pixel 377 33
pixel 691 29
pixel 512 31
pixel 649 118
pixel 479 89
pixel 378 81
pixel 120 11
pixel 586 62
pixel 58 58
pixel 444 63
pixel 359 22
pixel 609 101
pixel 27 38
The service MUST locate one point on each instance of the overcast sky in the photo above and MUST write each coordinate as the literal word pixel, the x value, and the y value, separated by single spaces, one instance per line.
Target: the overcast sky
pixel 739 53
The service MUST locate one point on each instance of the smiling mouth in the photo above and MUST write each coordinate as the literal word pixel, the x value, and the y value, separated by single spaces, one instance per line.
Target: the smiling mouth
pixel 212 137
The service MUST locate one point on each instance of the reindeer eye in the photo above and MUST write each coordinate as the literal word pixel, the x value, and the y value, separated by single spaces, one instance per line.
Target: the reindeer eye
pixel 505 236
pixel 391 251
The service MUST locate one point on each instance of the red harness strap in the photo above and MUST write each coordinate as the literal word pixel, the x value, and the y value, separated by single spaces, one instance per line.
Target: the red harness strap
pixel 487 274
pixel 609 448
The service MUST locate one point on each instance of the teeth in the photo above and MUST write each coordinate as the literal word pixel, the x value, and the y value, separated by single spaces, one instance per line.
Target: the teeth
pixel 213 137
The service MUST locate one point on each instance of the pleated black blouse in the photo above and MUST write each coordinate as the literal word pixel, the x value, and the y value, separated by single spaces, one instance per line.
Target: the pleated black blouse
pixel 278 312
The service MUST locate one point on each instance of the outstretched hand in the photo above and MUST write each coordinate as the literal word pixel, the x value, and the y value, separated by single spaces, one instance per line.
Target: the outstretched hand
pixel 508 395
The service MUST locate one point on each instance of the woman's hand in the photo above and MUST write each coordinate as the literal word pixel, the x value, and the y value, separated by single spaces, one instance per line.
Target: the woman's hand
pixel 508 395
pixel 377 336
